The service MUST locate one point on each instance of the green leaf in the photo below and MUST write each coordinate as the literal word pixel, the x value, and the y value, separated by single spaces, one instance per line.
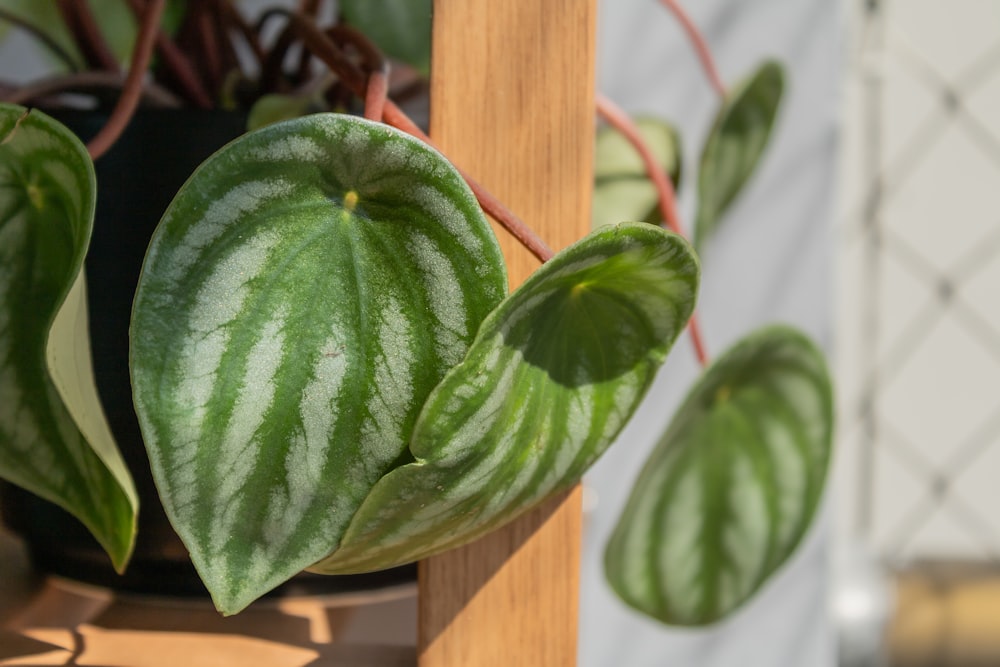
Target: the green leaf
pixel 622 190
pixel 54 440
pixel 735 145
pixel 304 293
pixel 732 485
pixel 554 374
pixel 400 28
pixel 115 19
pixel 270 109
pixel 44 17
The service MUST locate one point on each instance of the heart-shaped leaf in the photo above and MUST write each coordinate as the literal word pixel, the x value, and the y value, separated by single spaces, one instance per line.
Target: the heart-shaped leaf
pixel 732 485
pixel 622 189
pixel 305 291
pixel 735 145
pixel 554 374
pixel 400 28
pixel 54 440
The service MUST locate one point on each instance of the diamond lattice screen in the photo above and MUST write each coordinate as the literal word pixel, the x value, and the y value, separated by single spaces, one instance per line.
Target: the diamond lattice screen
pixel 919 280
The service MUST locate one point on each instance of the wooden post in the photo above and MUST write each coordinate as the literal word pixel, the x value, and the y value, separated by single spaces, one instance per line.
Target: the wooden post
pixel 512 102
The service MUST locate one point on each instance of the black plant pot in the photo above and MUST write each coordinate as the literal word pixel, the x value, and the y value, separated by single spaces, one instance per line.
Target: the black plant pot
pixel 137 179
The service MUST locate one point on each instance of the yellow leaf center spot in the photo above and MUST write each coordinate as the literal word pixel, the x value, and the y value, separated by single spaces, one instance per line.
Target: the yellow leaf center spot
pixel 723 393
pixel 36 196
pixel 350 200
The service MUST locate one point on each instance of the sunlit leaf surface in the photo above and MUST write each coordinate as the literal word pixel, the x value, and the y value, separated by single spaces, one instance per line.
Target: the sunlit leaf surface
pixel 302 296
pixel 556 371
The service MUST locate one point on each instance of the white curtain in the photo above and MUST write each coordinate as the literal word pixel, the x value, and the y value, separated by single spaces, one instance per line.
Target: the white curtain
pixel 771 261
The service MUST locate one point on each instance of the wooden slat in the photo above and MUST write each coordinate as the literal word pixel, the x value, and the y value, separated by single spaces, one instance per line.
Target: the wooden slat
pixel 512 99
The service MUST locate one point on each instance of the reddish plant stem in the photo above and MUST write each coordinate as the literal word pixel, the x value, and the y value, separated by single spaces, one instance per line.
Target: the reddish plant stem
pixel 209 47
pixel 372 60
pixel 177 64
pixel 699 44
pixel 621 121
pixel 371 56
pixel 310 9
pixel 698 340
pixel 271 71
pixel 326 49
pixel 231 16
pixel 132 91
pixel 81 24
pixel 376 94
pixel 86 82
pixel 226 46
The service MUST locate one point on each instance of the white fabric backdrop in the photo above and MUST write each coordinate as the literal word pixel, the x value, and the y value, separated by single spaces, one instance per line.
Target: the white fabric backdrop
pixel 770 261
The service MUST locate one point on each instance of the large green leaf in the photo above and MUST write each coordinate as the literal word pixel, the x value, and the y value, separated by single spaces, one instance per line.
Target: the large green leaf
pixel 735 145
pixel 732 485
pixel 401 28
pixel 54 440
pixel 554 374
pixel 622 189
pixel 303 294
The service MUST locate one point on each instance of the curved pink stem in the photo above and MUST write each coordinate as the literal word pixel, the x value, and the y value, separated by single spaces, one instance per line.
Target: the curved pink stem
pixel 700 45
pixel 376 94
pixel 666 196
pixel 132 91
pixel 621 121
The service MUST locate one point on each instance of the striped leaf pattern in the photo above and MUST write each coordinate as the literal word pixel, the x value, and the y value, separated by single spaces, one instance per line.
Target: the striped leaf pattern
pixel 555 372
pixel 732 485
pixel 54 440
pixel 735 145
pixel 304 293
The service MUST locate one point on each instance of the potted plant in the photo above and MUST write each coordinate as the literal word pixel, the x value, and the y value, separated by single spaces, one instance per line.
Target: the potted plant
pixel 329 373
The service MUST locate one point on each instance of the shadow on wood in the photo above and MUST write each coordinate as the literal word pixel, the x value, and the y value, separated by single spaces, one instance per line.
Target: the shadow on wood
pixel 497 595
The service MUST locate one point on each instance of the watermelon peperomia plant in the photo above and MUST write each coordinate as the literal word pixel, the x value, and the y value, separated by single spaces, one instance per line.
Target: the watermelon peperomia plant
pixel 330 375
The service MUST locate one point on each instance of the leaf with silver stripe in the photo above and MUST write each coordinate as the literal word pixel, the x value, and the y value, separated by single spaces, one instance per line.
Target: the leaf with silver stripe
pixel 735 145
pixel 54 440
pixel 304 293
pixel 554 374
pixel 731 487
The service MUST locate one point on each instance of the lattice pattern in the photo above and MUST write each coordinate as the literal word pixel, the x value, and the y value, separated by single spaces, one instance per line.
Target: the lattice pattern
pixel 924 308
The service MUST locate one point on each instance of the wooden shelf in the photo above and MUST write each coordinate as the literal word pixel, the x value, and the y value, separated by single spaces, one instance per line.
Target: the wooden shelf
pixel 52 622
pixel 946 614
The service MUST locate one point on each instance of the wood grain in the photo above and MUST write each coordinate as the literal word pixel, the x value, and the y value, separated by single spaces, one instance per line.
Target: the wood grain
pixel 512 102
